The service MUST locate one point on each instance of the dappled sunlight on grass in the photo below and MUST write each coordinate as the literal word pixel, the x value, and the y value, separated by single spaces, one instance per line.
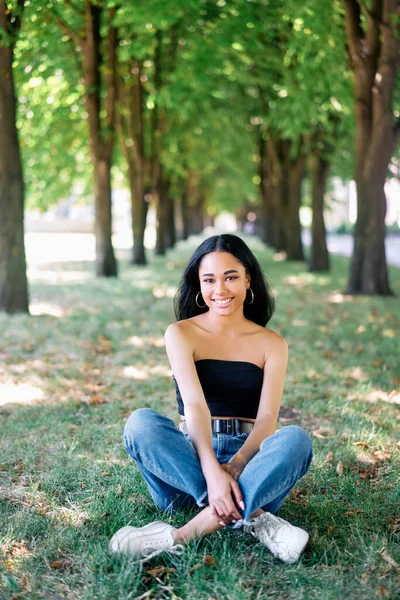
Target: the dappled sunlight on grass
pixel 140 342
pixel 145 372
pixel 339 298
pixel 162 292
pixel 67 483
pixel 56 277
pixel 19 393
pixel 46 308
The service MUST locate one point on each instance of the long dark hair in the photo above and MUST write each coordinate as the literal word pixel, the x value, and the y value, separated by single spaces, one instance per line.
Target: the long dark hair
pixel 260 311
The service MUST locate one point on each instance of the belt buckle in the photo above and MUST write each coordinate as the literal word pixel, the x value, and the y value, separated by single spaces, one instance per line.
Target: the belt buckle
pixel 230 426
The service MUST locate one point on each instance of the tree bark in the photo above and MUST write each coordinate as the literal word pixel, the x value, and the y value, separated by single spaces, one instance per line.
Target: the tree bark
pixel 374 54
pixel 101 139
pixel 287 174
pixel 132 131
pixel 185 210
pixel 295 170
pixel 13 279
pixel 319 258
pixel 268 212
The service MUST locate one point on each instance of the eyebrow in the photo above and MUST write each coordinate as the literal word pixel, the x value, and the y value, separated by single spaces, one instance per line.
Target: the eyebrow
pixel 225 273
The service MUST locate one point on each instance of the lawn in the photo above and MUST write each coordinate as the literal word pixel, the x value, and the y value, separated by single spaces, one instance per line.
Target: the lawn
pixel 94 351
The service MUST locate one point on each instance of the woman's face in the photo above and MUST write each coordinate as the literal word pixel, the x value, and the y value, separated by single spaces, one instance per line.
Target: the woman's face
pixel 223 282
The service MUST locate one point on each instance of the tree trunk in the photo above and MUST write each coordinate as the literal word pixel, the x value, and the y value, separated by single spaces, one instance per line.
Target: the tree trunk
pixel 278 190
pixel 101 143
pixel 171 221
pixel 287 174
pixel 319 259
pixel 131 125
pixel 295 176
pixel 374 50
pixel 161 220
pixel 13 280
pixel 268 213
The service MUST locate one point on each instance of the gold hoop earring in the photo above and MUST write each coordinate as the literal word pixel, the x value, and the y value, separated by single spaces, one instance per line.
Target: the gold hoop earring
pixel 252 296
pixel 199 305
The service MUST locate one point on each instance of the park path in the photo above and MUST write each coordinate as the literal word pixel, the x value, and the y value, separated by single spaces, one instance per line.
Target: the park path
pixel 66 247
pixel 343 244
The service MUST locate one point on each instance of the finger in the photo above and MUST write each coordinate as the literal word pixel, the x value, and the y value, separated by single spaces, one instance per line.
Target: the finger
pixel 238 495
pixel 233 511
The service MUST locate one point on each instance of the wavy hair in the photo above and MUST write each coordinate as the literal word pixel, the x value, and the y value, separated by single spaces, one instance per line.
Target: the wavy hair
pixel 260 311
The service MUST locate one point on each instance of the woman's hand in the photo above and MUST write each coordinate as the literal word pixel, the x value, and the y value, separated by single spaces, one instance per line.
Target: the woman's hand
pixel 235 466
pixel 224 497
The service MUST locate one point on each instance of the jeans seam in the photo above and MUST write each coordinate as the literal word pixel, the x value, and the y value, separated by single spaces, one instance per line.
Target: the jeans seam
pixel 166 477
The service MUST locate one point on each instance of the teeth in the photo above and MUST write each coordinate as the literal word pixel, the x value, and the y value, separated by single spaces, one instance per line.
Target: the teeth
pixel 222 302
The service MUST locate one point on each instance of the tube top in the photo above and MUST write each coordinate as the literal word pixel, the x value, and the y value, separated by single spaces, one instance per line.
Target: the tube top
pixel 231 388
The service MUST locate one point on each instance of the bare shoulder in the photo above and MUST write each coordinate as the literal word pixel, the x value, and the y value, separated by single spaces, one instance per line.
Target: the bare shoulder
pixel 175 331
pixel 275 344
pixel 181 333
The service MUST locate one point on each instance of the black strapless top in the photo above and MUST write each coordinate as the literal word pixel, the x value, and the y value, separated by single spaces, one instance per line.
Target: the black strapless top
pixel 231 388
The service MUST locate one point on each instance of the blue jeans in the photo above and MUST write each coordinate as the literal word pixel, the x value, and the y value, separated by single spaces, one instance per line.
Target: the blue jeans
pixel 171 468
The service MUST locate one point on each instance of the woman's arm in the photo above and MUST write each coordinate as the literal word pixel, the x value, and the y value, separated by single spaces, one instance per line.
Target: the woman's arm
pixel 268 410
pixel 223 490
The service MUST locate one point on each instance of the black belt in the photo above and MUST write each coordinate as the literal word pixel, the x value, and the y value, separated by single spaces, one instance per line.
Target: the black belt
pixel 228 426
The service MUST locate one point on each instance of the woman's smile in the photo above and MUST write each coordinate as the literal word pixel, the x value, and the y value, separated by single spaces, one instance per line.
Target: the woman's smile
pixel 222 303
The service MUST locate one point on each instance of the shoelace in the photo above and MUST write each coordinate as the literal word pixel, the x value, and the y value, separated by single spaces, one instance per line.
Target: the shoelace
pixel 177 550
pixel 269 525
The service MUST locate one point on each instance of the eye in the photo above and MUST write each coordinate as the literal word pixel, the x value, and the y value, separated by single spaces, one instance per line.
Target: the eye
pixel 208 280
pixel 232 277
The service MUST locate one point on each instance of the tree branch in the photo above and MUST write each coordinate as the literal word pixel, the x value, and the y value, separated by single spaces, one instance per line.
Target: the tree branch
pixel 374 17
pixel 355 34
pixel 75 8
pixel 396 130
pixel 67 29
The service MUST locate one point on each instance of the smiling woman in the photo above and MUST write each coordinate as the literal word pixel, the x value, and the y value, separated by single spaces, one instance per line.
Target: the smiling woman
pixel 226 456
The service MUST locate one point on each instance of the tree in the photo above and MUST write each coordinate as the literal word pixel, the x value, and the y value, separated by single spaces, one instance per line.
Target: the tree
pixel 13 280
pixel 98 51
pixel 373 34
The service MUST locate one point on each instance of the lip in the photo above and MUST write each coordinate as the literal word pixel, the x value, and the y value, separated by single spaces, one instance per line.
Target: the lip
pixel 221 303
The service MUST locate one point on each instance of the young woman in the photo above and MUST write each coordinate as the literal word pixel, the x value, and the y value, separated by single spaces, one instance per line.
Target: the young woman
pixel 226 456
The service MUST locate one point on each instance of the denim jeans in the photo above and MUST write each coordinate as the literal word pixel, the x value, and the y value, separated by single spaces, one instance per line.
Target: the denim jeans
pixel 171 467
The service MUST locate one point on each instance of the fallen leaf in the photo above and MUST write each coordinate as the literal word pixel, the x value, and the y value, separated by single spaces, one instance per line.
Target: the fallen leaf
pixel 361 444
pixel 330 457
pixel 210 560
pixel 390 333
pixel 59 564
pixel 156 571
pixel 330 529
pixel 381 455
pixel 321 436
pixel 351 513
pixel 96 400
pixel 359 349
pixel 383 591
pixel 388 558
pixel 339 468
pixel 195 567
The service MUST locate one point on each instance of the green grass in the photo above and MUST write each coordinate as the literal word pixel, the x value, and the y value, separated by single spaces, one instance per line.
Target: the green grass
pixel 67 484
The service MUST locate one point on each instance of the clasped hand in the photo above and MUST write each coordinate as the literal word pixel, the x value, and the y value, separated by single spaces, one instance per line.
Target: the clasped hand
pixel 225 497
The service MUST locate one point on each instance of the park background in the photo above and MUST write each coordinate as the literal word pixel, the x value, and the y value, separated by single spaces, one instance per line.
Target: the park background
pixel 129 132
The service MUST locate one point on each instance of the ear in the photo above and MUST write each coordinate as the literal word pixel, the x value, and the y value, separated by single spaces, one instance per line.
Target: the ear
pixel 247 281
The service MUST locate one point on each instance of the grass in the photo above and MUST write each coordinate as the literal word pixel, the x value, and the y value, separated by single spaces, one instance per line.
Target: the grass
pixel 94 352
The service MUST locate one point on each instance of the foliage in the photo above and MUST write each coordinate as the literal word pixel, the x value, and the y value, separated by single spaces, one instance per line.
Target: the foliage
pixel 67 484
pixel 228 69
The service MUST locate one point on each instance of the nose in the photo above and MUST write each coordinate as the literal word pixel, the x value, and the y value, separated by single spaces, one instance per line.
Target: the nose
pixel 221 285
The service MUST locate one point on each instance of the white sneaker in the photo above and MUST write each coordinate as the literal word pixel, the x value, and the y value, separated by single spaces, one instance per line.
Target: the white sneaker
pixel 145 542
pixel 284 540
